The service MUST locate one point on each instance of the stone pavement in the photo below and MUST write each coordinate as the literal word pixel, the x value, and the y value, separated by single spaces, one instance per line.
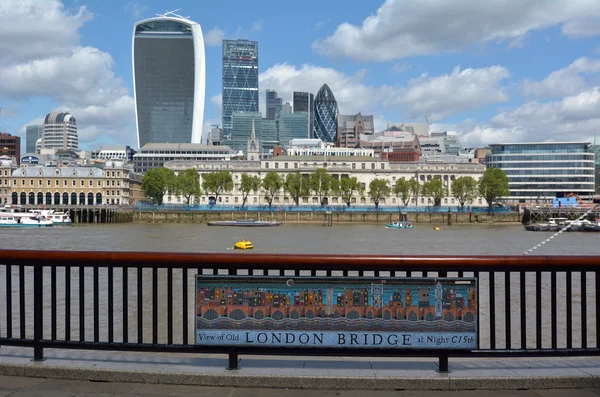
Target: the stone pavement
pixel 101 369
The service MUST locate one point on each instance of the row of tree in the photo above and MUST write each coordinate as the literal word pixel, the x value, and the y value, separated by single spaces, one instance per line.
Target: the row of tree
pixel 161 181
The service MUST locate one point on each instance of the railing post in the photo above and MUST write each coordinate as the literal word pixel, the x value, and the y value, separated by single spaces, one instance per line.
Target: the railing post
pixel 233 361
pixel 38 313
pixel 443 365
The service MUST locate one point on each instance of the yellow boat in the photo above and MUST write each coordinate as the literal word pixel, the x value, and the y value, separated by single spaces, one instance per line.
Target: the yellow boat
pixel 243 245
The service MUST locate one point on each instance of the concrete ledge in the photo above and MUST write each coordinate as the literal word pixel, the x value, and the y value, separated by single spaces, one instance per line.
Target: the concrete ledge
pixel 239 379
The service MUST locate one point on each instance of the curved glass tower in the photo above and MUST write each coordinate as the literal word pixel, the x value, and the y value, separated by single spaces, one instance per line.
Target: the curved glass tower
pixel 326 111
pixel 168 80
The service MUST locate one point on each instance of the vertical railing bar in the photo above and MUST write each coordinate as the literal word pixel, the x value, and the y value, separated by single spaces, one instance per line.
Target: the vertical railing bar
pixel 553 309
pixel 583 310
pixel 96 305
pixel 328 272
pixel 376 273
pixel 476 275
pixel 538 310
pixel 140 307
pixel 461 274
pixel 68 303
pixel 111 309
pixel 170 306
pixel 507 314
pixel 8 301
pixel 523 309
pixel 492 288
pixel 313 272
pixel 296 272
pixel 22 324
pixel 38 312
pixel 125 302
pixel 408 274
pixel 184 301
pixel 53 302
pixel 597 313
pixel 81 303
pixel 154 306
pixel 569 297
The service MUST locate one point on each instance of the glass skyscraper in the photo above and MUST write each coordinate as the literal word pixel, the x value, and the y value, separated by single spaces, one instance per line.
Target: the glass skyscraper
pixel 293 126
pixel 326 111
pixel 169 80
pixel 32 134
pixel 240 80
pixel 242 130
pixel 304 102
pixel 542 171
pixel 274 105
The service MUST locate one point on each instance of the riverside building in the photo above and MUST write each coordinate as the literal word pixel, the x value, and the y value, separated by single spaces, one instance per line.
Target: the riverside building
pixel 542 171
pixel 155 155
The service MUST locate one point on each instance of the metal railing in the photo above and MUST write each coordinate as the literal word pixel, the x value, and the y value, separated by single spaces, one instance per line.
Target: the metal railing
pixel 528 306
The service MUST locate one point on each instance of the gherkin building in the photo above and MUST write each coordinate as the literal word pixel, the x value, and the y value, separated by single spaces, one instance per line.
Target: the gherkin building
pixel 326 111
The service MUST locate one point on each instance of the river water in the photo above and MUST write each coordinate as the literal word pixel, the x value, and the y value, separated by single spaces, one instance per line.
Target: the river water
pixel 294 238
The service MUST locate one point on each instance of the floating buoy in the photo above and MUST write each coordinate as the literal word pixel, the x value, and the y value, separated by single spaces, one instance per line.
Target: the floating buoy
pixel 436 228
pixel 243 245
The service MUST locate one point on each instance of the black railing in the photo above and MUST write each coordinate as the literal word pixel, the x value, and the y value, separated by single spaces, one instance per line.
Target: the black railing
pixel 528 306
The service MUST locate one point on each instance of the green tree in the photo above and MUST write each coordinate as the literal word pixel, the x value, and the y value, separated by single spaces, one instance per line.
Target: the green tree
pixel 492 185
pixel 415 189
pixel 378 189
pixel 249 184
pixel 157 182
pixel 297 186
pixel 271 183
pixel 402 190
pixel 321 183
pixel 465 189
pixel 217 183
pixel 434 191
pixel 187 184
pixel 347 187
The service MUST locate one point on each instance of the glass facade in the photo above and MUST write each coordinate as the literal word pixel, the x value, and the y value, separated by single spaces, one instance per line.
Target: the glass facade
pixel 540 171
pixel 242 130
pixel 32 134
pixel 304 102
pixel 274 105
pixel 326 112
pixel 165 75
pixel 269 133
pixel 240 80
pixel 293 126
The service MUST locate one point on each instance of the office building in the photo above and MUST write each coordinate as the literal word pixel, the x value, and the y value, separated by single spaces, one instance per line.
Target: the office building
pixel 32 134
pixel 326 112
pixel 451 142
pixel 351 127
pixel 393 146
pixel 274 105
pixel 10 145
pixel 59 131
pixel 242 129
pixel 268 136
pixel 155 155
pixel 432 145
pixel 304 102
pixel 123 153
pixel 293 126
pixel 420 129
pixel 286 108
pixel 542 171
pixel 215 136
pixel 240 80
pixel 168 80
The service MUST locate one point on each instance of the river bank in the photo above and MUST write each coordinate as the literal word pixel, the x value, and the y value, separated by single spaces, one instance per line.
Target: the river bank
pixel 320 217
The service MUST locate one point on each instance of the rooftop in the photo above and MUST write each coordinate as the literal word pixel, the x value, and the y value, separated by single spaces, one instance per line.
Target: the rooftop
pixel 182 146
pixel 541 143
pixel 325 158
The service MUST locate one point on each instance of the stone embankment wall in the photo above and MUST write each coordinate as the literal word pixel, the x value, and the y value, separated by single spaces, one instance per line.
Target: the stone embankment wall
pixel 319 217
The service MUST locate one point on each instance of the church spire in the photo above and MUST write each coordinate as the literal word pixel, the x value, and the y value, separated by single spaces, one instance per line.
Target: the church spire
pixel 253 150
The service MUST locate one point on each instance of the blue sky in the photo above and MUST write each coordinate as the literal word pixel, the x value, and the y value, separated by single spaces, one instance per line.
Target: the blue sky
pixel 501 71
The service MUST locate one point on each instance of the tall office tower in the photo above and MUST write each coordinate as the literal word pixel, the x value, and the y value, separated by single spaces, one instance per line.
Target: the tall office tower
pixel 242 130
pixel 240 80
pixel 32 134
pixel 304 102
pixel 169 78
pixel 292 126
pixel 286 108
pixel 326 111
pixel 274 105
pixel 60 131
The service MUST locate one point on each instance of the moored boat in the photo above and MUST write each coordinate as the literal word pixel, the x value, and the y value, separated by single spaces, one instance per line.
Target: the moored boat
pixel 57 217
pixel 11 220
pixel 399 225
pixel 244 223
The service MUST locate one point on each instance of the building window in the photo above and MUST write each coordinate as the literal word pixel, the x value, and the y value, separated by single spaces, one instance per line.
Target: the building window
pixel 295 165
pixel 56 182
pixel 65 183
pixel 113 174
pixel 118 174
pixel 364 166
pixel 48 182
pixel 74 183
pixel 276 165
pixel 39 182
pixel 266 165
pixel 286 165
pixel 31 182
pixel 382 166
pixel 82 183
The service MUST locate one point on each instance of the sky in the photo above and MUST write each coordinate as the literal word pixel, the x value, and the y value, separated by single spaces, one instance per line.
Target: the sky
pixel 494 71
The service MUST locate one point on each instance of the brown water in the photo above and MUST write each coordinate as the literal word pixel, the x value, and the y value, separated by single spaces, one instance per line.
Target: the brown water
pixel 290 238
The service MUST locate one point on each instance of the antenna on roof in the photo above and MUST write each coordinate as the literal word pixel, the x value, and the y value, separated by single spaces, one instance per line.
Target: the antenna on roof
pixel 166 14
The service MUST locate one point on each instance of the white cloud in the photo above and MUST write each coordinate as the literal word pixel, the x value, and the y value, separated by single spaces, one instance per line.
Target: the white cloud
pixel 566 81
pixel 38 29
pixel 437 97
pixel 597 50
pixel 257 26
pixel 403 29
pixel 402 67
pixel 320 24
pixel 572 118
pixel 217 101
pixel 214 37
pixel 135 8
pixel 45 60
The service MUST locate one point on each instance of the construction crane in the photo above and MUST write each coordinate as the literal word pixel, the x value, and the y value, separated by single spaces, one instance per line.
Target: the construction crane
pixel 426 119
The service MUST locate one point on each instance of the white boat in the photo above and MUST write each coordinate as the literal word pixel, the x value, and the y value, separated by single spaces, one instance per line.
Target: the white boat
pixel 58 218
pixel 12 220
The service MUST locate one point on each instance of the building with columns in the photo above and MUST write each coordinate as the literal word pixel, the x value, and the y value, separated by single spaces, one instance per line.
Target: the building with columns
pixel 364 168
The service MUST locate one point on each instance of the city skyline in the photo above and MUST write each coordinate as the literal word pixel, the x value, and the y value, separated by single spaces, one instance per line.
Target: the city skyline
pixel 491 82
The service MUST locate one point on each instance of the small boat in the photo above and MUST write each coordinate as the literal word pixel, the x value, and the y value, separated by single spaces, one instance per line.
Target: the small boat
pixel 10 220
pixel 399 225
pixel 244 223
pixel 243 245
pixel 58 218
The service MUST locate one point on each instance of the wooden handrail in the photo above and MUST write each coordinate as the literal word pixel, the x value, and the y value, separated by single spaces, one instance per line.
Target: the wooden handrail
pixel 300 262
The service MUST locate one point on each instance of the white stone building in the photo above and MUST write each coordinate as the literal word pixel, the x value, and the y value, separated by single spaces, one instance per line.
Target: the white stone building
pixel 365 169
